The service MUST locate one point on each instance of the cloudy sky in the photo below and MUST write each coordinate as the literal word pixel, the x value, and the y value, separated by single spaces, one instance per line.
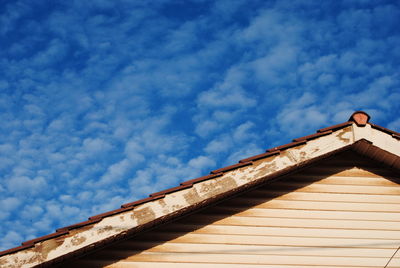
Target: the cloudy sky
pixel 104 102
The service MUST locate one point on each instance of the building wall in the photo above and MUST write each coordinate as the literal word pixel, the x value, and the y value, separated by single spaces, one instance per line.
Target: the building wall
pixel 343 212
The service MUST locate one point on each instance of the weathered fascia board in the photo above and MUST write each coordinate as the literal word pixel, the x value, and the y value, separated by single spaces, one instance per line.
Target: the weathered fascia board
pixel 378 138
pixel 174 202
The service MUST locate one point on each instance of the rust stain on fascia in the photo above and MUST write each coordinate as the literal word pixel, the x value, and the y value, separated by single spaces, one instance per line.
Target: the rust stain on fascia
pixel 78 240
pixel 192 197
pixel 162 203
pixel 143 215
pixel 214 187
pixel 340 134
pixel 40 252
pixel 104 229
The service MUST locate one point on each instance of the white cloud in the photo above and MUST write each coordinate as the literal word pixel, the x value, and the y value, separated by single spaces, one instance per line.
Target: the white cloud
pixel 96 145
pixel 219 145
pixel 10 239
pixel 206 127
pixel 23 184
pixel 115 172
pixel 201 162
pixel 10 203
pixel 242 132
pixel 395 125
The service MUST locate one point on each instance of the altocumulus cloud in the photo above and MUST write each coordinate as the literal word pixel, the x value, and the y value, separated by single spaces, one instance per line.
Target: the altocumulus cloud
pixel 104 102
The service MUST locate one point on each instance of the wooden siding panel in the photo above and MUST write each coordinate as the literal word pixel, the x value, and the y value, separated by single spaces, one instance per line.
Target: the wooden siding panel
pixel 337 197
pixel 279 240
pixel 331 215
pixel 136 264
pixel 256 259
pixel 282 231
pixel 335 188
pixel 260 250
pixel 310 214
pixel 323 205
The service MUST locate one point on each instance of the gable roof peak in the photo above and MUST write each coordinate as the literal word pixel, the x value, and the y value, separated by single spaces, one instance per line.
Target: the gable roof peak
pixel 361 118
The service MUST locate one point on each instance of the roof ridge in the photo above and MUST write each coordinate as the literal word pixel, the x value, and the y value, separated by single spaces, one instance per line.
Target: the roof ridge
pixel 183 185
pixel 358 118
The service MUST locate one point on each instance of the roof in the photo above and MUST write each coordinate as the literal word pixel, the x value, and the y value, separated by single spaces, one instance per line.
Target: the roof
pixel 357 134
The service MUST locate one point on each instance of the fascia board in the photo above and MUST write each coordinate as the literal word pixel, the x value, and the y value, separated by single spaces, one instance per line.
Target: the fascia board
pixel 383 140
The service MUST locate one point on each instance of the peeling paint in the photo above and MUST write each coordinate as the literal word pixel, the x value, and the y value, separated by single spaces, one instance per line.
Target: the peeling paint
pixel 3 263
pixel 78 240
pixel 266 169
pixel 192 196
pixel 144 215
pixel 162 203
pixel 341 135
pixel 104 229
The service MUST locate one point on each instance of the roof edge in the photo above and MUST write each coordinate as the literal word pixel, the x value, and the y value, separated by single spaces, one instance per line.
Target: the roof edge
pixel 244 163
pixel 363 147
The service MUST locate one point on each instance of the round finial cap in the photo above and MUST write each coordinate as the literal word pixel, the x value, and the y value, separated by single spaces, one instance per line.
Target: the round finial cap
pixel 360 118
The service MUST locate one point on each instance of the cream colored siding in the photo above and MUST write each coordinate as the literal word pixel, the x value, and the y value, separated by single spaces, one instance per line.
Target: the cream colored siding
pixel 332 215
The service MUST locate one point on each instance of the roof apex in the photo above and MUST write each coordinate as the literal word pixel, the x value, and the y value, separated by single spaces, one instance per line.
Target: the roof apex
pixel 361 118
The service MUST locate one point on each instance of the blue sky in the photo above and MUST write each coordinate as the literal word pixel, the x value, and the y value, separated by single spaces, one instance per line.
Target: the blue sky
pixel 104 102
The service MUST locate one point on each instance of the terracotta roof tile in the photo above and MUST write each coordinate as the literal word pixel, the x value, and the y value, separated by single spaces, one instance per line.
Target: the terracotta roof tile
pixel 386 130
pixel 45 237
pixel 228 168
pixel 200 179
pixel 313 136
pixel 77 225
pixel 109 213
pixel 360 118
pixel 141 201
pixel 12 250
pixel 335 127
pixel 171 190
pixel 287 146
pixel 259 156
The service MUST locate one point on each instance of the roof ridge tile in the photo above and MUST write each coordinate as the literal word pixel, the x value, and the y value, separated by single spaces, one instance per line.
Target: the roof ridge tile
pixel 313 136
pixel 45 237
pixel 141 201
pixel 259 156
pixel 170 190
pixel 202 178
pixel 335 127
pixel 231 167
pixel 386 130
pixel 286 146
pixel 79 224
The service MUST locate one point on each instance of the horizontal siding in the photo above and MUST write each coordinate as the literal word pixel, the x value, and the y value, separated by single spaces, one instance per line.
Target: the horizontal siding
pixel 335 188
pixel 280 240
pixel 282 231
pixel 306 223
pixel 140 264
pixel 310 214
pixel 258 259
pixel 134 248
pixel 321 205
pixel 336 197
pixel 330 215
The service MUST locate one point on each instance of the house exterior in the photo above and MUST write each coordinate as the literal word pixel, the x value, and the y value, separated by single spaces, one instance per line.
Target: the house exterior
pixel 330 199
